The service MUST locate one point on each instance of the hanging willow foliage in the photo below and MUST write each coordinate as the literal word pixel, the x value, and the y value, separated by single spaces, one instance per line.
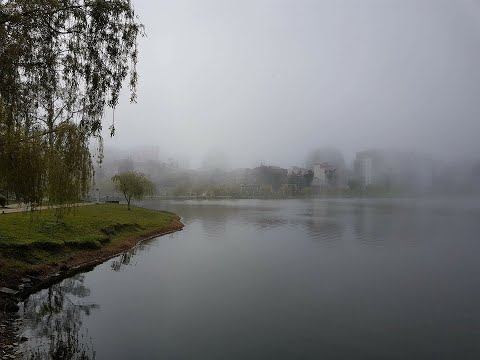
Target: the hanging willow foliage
pixel 62 63
pixel 67 58
pixel 21 162
pixel 68 168
pixel 36 171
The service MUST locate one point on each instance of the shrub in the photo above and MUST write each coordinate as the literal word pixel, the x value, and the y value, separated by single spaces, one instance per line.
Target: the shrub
pixel 3 201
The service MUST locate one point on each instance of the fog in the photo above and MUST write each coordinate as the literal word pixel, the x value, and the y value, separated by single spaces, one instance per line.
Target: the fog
pixel 264 81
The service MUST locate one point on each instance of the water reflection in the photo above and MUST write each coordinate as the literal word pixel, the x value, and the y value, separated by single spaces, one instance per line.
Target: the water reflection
pixel 124 259
pixel 324 223
pixel 328 222
pixel 253 279
pixel 53 322
pixel 130 257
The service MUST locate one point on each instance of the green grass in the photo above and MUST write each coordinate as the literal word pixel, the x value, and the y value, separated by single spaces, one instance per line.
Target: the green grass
pixel 37 238
pixel 84 226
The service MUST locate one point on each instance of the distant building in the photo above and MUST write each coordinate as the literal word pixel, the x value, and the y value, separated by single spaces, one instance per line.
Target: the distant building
pixel 165 191
pixel 394 169
pixel 242 176
pixel 271 175
pixel 145 153
pixel 297 170
pixel 367 171
pixel 249 189
pixel 324 175
pixel 364 168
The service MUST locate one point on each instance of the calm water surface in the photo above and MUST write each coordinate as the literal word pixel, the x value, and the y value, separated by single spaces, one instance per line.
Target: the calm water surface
pixel 278 279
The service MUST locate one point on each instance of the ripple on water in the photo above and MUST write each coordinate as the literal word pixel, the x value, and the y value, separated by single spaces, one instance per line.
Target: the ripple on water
pixel 250 273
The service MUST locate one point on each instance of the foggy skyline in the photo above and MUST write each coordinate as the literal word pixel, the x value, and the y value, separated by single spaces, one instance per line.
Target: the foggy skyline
pixel 268 81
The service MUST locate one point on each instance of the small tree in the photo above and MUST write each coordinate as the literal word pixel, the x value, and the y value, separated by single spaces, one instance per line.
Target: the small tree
pixel 133 185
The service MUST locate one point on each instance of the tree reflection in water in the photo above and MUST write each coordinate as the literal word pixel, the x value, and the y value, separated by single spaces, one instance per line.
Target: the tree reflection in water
pixel 124 259
pixel 53 322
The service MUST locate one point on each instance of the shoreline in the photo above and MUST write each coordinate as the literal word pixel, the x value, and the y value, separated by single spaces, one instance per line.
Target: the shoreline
pixel 79 264
pixel 82 261
pixel 23 285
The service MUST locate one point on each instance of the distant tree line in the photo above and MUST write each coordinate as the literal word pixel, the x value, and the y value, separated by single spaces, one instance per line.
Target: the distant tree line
pixel 300 179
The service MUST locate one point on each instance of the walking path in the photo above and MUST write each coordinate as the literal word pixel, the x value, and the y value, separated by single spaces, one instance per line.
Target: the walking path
pixel 22 208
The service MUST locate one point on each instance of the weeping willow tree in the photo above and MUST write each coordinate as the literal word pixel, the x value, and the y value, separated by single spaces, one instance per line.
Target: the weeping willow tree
pixel 68 167
pixel 62 63
pixel 35 170
pixel 21 162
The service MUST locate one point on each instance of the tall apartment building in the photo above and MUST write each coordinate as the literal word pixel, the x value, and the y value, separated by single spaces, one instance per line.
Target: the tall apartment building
pixel 399 169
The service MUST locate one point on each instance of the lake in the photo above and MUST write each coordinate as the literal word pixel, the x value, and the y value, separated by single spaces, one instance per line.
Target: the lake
pixel 278 279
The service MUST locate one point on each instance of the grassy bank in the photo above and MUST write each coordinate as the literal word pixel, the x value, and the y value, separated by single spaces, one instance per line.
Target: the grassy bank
pixel 36 245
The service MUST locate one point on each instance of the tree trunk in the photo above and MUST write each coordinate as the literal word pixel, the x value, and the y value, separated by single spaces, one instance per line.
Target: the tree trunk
pixel 128 198
pixel 50 122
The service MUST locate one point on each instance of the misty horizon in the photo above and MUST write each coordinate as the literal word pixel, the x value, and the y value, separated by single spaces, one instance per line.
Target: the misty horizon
pixel 219 160
pixel 267 82
pixel 239 179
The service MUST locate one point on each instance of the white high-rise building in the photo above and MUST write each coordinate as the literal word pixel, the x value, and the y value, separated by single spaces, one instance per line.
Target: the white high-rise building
pixel 321 174
pixel 394 169
pixel 367 171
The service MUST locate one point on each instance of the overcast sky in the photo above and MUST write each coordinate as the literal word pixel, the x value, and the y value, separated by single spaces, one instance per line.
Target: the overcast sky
pixel 269 80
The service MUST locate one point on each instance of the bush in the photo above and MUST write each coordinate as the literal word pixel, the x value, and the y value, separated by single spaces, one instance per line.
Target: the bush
pixel 3 201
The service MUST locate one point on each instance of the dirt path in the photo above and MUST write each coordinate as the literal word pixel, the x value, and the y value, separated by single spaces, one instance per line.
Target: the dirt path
pixel 20 208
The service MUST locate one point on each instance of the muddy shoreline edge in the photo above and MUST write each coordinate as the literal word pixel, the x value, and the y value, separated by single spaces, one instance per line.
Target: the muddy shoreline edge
pixel 9 303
